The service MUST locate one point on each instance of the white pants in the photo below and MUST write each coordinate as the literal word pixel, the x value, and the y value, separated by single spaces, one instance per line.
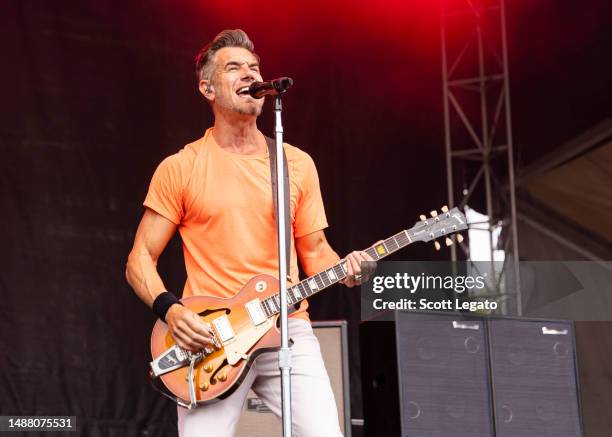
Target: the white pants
pixel 314 412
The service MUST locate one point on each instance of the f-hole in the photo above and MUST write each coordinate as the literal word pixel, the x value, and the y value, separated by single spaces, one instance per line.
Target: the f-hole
pixel 217 310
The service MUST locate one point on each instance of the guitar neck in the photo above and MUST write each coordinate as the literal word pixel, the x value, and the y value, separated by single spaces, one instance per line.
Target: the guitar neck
pixel 328 277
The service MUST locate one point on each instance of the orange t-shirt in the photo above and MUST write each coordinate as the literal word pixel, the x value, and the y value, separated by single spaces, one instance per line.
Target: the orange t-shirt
pixel 222 204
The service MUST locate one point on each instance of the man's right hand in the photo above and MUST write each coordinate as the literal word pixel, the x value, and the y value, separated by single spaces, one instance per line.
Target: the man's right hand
pixel 187 329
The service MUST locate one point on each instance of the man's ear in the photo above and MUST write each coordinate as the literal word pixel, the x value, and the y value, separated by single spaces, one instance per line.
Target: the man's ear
pixel 206 89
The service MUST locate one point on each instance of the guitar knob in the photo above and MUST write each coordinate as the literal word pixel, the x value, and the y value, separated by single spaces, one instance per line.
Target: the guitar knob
pixel 434 213
pixel 460 238
pixel 448 241
pixel 437 245
pixel 222 376
pixel 204 386
pixel 422 217
pixel 208 368
pixel 444 209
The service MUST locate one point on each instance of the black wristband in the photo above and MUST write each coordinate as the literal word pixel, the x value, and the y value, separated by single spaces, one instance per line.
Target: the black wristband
pixel 162 304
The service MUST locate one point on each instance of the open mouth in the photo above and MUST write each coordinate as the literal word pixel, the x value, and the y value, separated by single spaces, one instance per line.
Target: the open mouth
pixel 243 91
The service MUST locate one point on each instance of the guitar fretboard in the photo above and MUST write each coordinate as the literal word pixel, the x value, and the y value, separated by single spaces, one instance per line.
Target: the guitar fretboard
pixel 328 277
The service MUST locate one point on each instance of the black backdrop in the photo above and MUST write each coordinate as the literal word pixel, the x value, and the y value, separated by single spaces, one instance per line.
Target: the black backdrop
pixel 96 93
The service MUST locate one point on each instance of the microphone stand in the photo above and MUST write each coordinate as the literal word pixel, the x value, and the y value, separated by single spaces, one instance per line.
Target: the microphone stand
pixel 284 354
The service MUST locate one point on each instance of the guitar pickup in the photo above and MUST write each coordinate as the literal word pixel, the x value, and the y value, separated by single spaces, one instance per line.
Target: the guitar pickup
pixel 256 312
pixel 224 328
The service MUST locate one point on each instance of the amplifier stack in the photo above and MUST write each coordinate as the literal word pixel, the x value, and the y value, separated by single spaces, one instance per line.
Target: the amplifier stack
pixel 438 375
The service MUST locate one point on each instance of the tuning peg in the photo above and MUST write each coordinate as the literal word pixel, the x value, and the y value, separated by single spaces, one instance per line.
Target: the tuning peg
pixel 437 245
pixel 422 217
pixel 460 238
pixel 448 241
pixel 208 368
pixel 204 386
pixel 434 213
pixel 444 209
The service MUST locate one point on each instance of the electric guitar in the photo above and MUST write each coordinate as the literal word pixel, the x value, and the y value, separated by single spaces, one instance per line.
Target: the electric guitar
pixel 244 326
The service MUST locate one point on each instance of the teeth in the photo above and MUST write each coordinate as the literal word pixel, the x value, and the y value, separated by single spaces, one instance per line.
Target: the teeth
pixel 243 89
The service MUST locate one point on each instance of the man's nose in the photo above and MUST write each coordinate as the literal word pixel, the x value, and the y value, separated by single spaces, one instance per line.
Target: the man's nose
pixel 249 76
pixel 247 72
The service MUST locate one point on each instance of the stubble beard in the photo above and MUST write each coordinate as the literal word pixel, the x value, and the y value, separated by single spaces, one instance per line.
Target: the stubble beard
pixel 232 107
pixel 253 110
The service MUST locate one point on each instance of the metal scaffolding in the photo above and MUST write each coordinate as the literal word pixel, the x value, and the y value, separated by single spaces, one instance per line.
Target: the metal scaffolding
pixel 478 131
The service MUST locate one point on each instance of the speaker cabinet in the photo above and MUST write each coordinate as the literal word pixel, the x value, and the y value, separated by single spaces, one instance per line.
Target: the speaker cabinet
pixel 258 421
pixel 426 376
pixel 535 388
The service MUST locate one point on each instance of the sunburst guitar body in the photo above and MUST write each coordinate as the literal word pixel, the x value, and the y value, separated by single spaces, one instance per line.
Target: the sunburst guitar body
pixel 241 331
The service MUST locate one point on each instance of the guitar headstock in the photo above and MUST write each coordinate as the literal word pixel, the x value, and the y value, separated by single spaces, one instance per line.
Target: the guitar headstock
pixel 439 225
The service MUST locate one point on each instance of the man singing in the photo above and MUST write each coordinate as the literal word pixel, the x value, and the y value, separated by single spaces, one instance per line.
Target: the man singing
pixel 217 192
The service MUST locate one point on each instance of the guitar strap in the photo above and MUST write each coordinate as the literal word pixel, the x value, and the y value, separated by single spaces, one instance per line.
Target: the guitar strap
pixel 272 153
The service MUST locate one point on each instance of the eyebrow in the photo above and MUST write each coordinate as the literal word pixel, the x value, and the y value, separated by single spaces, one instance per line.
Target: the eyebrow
pixel 237 64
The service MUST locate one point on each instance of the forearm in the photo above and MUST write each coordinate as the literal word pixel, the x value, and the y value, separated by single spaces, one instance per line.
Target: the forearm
pixel 185 326
pixel 141 273
pixel 318 259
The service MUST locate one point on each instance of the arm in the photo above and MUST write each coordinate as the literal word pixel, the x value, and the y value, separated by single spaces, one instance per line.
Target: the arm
pixel 316 254
pixel 152 236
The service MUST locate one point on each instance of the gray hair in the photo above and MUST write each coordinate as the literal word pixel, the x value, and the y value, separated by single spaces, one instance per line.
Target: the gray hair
pixel 227 38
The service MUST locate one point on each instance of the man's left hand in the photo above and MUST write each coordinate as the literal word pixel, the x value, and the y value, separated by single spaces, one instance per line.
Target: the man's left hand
pixel 360 266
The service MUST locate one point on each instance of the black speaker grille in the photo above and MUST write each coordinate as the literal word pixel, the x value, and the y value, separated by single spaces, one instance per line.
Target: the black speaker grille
pixel 534 379
pixel 443 376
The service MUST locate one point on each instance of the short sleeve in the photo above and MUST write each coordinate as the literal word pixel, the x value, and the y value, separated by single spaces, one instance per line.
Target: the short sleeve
pixel 310 213
pixel 165 195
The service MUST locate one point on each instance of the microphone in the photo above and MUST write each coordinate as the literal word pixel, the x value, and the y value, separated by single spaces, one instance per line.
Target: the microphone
pixel 272 87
